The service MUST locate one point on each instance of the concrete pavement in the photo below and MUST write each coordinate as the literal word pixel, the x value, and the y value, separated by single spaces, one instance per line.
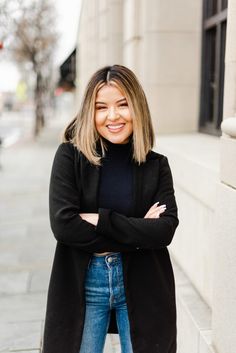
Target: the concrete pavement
pixel 26 242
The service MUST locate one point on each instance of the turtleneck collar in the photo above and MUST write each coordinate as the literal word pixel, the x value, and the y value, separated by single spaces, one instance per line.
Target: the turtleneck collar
pixel 117 145
pixel 119 150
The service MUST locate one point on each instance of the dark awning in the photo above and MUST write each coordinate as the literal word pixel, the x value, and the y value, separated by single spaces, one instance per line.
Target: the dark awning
pixel 68 72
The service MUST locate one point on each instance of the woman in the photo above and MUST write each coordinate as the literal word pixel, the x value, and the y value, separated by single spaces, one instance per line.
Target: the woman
pixel 113 213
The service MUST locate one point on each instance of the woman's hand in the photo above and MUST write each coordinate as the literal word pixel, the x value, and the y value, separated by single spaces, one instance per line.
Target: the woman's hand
pixel 155 211
pixel 90 217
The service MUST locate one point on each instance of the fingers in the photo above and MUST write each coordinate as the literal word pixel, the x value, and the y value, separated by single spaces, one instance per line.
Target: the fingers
pixel 154 205
pixel 154 212
pixel 83 216
pixel 157 209
pixel 153 208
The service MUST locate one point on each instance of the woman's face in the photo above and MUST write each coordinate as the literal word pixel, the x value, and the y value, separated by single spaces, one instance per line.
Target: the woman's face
pixel 113 120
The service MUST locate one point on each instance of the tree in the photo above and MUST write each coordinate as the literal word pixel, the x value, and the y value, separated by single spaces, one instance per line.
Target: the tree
pixel 28 27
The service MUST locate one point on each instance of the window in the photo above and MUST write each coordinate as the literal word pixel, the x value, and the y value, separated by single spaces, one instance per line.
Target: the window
pixel 213 54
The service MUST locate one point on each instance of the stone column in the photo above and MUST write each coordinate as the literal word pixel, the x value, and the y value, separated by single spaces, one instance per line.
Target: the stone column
pixel 170 62
pixel 224 283
pixel 115 32
pixel 100 38
pixel 132 35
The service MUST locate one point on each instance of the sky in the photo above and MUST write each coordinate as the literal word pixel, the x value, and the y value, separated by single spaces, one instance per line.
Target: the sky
pixel 67 26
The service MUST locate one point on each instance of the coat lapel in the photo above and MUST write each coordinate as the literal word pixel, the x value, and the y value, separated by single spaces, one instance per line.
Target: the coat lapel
pixel 88 182
pixel 145 185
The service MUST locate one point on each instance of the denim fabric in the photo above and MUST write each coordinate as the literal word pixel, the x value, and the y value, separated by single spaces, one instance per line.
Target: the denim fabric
pixel 104 288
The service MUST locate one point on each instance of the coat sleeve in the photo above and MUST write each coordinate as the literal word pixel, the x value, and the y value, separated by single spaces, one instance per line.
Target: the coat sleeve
pixel 66 224
pixel 143 232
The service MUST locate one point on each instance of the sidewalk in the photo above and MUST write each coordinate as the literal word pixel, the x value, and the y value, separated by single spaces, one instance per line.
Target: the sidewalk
pixel 26 242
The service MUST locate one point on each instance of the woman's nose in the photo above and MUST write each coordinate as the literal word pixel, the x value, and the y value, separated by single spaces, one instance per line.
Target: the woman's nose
pixel 113 114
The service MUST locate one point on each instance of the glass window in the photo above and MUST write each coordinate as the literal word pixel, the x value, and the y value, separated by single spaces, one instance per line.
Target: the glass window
pixel 211 7
pixel 224 4
pixel 213 53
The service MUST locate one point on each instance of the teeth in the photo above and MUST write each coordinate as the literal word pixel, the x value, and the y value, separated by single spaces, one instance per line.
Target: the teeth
pixel 115 127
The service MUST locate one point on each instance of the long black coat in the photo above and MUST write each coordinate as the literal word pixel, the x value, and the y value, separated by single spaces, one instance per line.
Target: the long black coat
pixel 148 275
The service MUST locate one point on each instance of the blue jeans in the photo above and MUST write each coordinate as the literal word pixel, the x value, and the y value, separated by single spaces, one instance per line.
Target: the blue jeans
pixel 104 290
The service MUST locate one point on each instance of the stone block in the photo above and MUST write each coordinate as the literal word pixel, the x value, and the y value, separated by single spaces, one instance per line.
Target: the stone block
pixel 173 58
pixel 169 114
pixel 180 15
pixel 228 160
pixel 194 241
pixel 193 314
pixel 224 290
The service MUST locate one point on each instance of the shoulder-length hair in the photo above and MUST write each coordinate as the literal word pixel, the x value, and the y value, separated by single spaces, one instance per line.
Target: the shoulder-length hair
pixel 81 131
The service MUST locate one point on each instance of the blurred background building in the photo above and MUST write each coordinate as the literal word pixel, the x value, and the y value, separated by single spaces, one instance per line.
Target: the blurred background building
pixel 184 53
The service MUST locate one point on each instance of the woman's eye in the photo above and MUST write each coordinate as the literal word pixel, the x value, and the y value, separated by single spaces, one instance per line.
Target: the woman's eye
pixel 124 105
pixel 100 108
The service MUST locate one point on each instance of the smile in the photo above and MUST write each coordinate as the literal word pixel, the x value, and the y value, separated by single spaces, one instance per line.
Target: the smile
pixel 115 128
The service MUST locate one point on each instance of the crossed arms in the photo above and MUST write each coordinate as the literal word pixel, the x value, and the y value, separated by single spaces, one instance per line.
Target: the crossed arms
pixel 108 230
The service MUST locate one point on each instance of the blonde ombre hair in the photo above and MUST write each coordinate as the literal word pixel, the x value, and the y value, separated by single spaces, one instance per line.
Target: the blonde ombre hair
pixel 82 132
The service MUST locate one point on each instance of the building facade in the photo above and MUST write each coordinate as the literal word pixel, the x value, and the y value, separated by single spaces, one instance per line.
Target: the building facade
pixel 184 54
